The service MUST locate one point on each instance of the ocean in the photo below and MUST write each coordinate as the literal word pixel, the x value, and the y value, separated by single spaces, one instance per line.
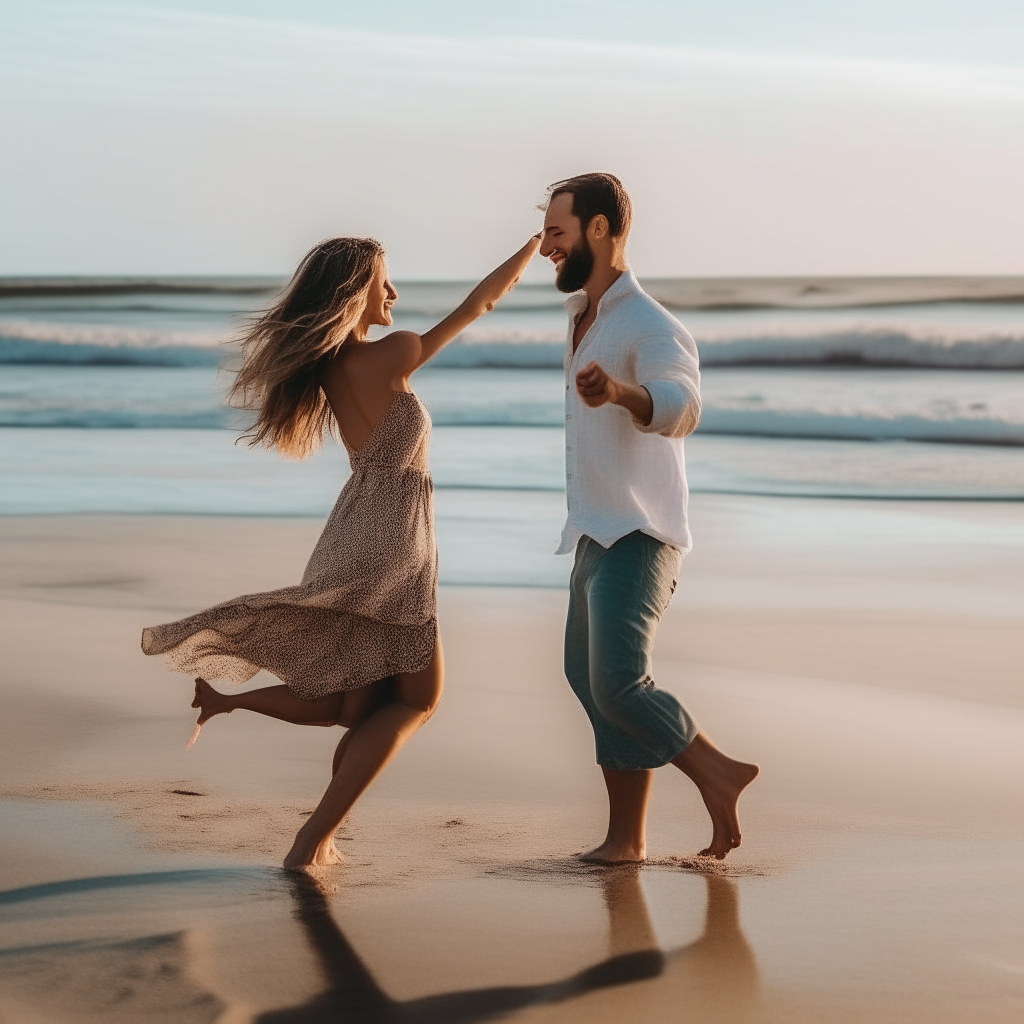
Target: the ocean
pixel 111 401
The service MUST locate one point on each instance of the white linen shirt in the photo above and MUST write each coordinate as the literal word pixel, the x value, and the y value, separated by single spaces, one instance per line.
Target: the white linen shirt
pixel 620 475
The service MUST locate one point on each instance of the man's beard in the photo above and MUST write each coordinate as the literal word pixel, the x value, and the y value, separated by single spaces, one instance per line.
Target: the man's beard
pixel 573 271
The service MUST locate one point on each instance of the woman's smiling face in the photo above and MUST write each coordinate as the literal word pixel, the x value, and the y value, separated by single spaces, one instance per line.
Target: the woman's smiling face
pixel 381 295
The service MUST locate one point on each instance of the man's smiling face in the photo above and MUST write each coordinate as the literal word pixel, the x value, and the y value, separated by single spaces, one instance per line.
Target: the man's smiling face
pixel 564 243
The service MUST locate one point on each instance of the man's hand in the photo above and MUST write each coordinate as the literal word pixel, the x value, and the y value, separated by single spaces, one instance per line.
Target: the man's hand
pixel 596 387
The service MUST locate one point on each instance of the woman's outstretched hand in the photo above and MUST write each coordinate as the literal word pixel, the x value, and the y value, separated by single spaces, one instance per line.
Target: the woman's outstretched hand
pixel 499 283
pixel 482 299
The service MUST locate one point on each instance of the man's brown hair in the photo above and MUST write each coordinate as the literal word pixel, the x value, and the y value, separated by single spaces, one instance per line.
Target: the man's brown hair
pixel 594 193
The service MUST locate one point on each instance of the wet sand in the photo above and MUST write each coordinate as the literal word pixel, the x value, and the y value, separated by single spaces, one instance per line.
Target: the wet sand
pixel 866 654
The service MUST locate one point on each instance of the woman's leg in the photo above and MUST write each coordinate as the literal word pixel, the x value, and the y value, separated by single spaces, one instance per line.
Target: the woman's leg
pixel 368 747
pixel 356 707
pixel 273 701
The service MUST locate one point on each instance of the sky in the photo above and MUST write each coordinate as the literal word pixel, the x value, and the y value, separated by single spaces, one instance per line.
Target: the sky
pixel 756 137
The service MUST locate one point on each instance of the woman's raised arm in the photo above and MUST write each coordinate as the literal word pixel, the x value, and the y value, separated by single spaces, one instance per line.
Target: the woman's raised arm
pixel 482 299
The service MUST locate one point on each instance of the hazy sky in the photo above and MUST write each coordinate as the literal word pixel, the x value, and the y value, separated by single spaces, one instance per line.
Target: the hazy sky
pixel 179 136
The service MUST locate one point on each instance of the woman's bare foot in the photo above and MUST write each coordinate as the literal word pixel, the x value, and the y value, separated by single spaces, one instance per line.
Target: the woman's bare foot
pixel 720 781
pixel 308 853
pixel 210 702
pixel 610 852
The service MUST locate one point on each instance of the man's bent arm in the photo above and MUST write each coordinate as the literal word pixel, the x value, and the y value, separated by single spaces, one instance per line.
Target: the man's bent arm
pixel 670 407
pixel 636 400
pixel 668 367
pixel 675 411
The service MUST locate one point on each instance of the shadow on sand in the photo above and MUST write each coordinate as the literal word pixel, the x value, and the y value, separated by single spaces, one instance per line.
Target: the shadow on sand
pixel 153 978
pixel 720 961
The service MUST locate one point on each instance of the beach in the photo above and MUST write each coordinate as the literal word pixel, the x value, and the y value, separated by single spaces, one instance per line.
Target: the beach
pixel 865 653
pixel 826 197
pixel 850 618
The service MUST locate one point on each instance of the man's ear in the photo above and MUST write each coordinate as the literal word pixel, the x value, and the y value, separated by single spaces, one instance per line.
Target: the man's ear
pixel 598 226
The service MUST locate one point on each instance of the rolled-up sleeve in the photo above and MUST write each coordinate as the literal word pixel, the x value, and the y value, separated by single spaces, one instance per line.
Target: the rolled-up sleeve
pixel 668 367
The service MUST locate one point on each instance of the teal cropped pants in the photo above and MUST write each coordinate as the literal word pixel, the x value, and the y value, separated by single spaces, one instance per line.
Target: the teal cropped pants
pixel 617 597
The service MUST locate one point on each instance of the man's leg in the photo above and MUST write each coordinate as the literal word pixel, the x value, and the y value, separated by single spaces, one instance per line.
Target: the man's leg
pixel 577 640
pixel 629 792
pixel 720 780
pixel 627 597
pixel 628 594
pixel 626 764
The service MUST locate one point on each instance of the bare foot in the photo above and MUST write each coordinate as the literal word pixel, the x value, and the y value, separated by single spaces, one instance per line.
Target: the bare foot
pixel 720 781
pixel 720 798
pixel 306 853
pixel 210 702
pixel 614 853
pixel 721 803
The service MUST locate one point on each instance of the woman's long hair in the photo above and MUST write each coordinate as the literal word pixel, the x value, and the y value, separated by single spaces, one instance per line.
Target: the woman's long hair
pixel 287 348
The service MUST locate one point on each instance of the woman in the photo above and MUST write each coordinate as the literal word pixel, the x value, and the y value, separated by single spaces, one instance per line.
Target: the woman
pixel 356 643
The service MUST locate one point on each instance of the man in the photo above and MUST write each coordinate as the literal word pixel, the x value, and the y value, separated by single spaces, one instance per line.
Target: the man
pixel 632 394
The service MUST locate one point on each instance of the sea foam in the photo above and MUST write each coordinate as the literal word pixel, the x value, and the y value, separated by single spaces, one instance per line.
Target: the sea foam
pixel 33 342
pixel 797 344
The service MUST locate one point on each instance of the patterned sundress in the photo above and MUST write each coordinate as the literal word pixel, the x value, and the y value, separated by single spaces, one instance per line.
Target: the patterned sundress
pixel 366 608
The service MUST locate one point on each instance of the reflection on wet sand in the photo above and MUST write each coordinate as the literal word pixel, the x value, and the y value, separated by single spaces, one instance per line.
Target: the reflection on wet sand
pixel 716 977
pixel 718 970
pixel 179 977
pixel 717 974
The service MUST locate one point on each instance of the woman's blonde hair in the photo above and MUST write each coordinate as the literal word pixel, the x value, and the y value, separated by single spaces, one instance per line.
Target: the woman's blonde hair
pixel 287 348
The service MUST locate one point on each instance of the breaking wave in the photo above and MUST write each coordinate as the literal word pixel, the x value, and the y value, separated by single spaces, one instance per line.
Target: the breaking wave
pixel 862 427
pixel 30 342
pixel 866 345
pixel 803 344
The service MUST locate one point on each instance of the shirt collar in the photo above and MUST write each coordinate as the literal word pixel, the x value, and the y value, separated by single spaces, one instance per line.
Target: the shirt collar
pixel 625 285
pixel 575 303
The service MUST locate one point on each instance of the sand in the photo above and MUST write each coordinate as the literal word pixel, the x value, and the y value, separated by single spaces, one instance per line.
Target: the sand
pixel 866 654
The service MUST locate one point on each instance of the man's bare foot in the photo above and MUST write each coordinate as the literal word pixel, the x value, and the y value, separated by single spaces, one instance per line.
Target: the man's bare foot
pixel 610 852
pixel 306 853
pixel 720 781
pixel 721 798
pixel 210 702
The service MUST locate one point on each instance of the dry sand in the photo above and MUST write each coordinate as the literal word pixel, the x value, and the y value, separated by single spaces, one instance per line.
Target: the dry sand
pixel 866 654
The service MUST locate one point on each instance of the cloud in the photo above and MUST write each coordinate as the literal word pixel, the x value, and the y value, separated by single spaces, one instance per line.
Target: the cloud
pixel 150 139
pixel 176 57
